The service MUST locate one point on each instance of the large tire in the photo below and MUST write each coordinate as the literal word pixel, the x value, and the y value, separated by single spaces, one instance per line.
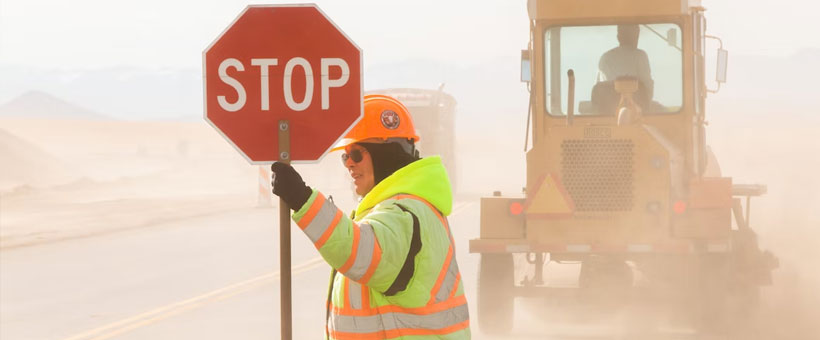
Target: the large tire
pixel 712 310
pixel 605 283
pixel 728 297
pixel 496 298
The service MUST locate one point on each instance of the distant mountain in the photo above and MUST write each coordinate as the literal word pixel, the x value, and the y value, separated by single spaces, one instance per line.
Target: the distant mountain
pixel 123 93
pixel 26 164
pixel 487 92
pixel 37 104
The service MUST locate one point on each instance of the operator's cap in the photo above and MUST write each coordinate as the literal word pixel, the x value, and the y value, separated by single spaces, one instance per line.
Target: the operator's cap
pixel 384 118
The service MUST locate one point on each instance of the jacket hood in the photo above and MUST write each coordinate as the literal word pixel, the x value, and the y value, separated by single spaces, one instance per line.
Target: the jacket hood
pixel 425 178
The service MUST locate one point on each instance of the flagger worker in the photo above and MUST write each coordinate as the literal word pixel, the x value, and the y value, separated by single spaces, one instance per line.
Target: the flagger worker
pixel 395 274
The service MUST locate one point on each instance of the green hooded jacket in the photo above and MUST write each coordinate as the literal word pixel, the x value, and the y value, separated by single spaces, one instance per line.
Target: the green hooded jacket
pixel 386 292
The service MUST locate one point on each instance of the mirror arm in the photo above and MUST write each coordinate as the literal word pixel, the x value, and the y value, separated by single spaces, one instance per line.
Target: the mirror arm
pixel 716 38
pixel 661 36
pixel 529 117
pixel 715 90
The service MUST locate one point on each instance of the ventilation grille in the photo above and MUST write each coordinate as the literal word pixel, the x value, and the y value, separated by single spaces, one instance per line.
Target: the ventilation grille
pixel 598 173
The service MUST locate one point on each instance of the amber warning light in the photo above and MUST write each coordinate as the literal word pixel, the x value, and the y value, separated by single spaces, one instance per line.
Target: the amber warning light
pixel 679 207
pixel 516 208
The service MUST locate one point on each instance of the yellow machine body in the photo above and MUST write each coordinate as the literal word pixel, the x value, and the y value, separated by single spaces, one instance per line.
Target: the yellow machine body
pixel 597 182
pixel 619 177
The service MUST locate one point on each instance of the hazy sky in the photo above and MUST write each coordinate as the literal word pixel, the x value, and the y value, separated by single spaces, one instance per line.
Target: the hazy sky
pixel 173 33
pixel 89 34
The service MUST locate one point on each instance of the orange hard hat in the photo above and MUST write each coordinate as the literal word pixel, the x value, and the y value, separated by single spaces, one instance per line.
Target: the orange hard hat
pixel 384 118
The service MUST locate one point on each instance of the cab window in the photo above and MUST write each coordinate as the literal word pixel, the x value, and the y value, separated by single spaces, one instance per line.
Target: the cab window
pixel 600 55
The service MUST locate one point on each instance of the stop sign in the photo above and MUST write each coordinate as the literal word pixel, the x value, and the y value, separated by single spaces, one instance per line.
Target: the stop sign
pixel 276 63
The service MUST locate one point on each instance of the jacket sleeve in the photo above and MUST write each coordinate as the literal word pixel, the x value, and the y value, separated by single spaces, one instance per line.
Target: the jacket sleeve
pixel 371 251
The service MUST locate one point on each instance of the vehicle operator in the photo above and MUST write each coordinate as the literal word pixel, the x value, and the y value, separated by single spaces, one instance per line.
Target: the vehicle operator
pixel 627 60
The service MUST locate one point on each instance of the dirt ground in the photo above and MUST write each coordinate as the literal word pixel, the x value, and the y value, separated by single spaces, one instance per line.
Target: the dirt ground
pixel 70 178
pixel 82 178
pixel 777 145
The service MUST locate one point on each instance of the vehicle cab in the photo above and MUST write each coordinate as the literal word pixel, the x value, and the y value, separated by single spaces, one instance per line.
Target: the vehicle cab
pixel 617 103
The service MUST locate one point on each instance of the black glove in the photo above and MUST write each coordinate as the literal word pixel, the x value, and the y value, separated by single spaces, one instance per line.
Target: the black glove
pixel 288 185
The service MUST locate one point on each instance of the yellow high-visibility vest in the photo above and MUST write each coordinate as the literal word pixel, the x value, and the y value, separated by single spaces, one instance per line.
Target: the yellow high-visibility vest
pixel 382 293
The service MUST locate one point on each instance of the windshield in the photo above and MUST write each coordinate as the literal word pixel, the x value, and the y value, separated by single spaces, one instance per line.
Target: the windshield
pixel 598 55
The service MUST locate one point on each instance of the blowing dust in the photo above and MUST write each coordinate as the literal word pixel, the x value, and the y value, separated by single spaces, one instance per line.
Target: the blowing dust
pixel 777 145
pixel 62 169
pixel 765 140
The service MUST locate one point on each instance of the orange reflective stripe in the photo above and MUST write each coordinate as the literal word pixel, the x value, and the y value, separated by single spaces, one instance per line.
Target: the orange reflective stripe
pixel 329 230
pixel 438 214
pixel 364 322
pixel 446 266
pixel 365 298
pixel 441 274
pixel 428 309
pixel 352 258
pixel 312 211
pixel 356 336
pixel 403 196
pixel 450 276
pixel 377 256
pixel 356 296
pixel 395 333
pixel 455 286
pixel 346 294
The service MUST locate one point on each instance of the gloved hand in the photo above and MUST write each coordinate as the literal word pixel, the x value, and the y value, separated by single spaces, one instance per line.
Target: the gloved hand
pixel 288 185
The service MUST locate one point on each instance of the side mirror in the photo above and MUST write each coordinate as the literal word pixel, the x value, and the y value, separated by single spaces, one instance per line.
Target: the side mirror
pixel 672 37
pixel 722 61
pixel 525 66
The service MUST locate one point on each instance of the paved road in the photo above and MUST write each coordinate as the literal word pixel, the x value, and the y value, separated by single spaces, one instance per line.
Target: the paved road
pixel 59 290
pixel 212 277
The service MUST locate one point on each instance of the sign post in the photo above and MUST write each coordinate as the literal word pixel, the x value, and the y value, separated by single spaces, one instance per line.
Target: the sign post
pixel 282 83
pixel 285 304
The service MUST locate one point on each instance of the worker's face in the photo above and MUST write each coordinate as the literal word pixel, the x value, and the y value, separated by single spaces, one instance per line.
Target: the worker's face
pixel 361 171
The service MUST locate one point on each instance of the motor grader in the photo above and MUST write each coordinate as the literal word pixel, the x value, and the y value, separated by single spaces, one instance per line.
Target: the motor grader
pixel 619 176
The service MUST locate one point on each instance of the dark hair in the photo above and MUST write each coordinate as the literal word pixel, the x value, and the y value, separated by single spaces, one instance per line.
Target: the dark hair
pixel 628 34
pixel 387 158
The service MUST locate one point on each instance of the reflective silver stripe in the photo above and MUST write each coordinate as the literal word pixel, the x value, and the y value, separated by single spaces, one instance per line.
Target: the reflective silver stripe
pixel 321 221
pixel 364 254
pixel 449 280
pixel 354 293
pixel 390 321
pixel 639 248
pixel 579 248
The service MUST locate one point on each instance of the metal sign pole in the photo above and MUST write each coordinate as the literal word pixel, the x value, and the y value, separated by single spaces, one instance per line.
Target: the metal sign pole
pixel 284 240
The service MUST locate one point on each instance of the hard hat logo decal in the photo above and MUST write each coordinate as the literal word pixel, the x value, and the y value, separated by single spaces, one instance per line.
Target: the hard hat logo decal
pixel 390 119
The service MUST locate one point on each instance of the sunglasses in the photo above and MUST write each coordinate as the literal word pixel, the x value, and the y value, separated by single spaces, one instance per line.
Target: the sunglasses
pixel 356 155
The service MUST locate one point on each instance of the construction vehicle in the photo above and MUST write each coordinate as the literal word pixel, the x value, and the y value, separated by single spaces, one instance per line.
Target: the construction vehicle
pixel 626 185
pixel 433 113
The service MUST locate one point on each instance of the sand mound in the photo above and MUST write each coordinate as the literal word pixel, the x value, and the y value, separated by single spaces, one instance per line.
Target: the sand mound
pixel 23 163
pixel 36 104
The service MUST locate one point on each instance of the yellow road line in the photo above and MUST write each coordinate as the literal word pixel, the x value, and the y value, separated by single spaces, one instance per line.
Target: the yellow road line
pixel 165 312
pixel 161 313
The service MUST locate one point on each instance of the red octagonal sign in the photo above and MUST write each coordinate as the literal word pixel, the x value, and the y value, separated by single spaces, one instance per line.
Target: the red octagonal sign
pixel 277 63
